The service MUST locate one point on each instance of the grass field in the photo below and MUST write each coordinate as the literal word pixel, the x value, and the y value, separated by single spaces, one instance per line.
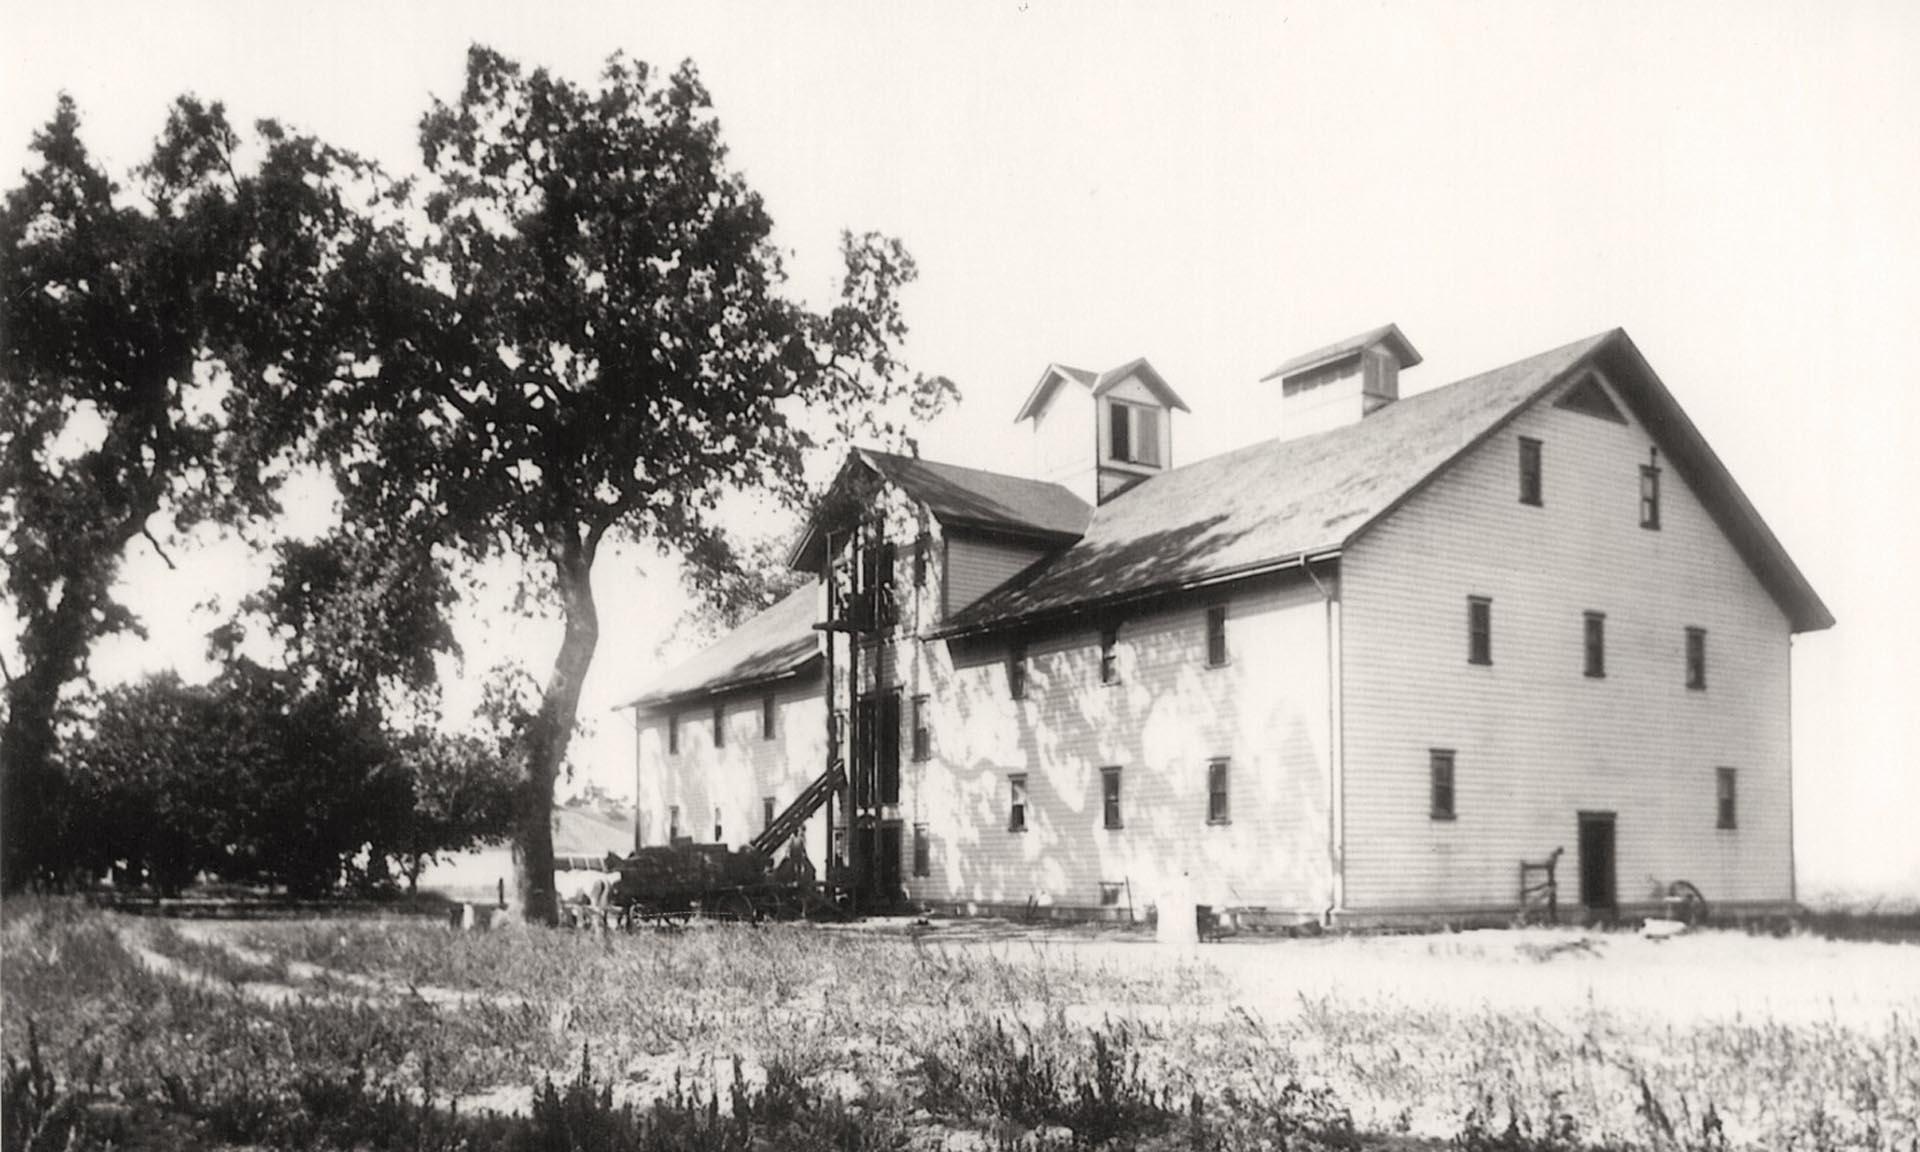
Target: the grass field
pixel 404 1034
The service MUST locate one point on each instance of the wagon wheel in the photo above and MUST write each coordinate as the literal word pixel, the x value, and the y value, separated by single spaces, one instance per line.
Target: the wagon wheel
pixel 735 905
pixel 1685 902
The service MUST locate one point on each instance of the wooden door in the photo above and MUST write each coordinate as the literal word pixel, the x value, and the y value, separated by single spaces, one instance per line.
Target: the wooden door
pixel 1597 889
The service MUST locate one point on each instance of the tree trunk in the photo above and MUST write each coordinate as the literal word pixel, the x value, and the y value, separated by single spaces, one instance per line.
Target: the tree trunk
pixel 32 815
pixel 544 745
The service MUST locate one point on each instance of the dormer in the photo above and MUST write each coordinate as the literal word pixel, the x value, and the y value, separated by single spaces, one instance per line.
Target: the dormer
pixel 1343 382
pixel 1125 414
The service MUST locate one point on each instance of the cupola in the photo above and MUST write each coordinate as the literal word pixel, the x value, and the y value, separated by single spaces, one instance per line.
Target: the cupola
pixel 1130 410
pixel 1343 382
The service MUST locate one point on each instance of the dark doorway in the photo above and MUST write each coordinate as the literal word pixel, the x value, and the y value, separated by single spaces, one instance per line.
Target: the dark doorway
pixel 876 776
pixel 1597 890
pixel 879 876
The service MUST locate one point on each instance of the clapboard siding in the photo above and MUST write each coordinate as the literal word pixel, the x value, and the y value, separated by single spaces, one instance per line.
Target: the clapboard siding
pixel 976 565
pixel 735 777
pixel 1266 711
pixel 1537 741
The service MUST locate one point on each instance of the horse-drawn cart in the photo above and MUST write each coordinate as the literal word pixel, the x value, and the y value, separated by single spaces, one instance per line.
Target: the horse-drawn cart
pixel 669 885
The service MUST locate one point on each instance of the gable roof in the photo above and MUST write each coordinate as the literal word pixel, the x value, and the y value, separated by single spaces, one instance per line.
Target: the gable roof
pixel 774 645
pixel 958 498
pixel 1388 334
pixel 1287 502
pixel 1099 384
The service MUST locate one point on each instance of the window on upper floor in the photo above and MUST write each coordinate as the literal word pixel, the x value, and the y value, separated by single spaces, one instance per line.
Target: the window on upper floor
pixel 1109 658
pixel 1017 671
pixel 717 837
pixel 767 716
pixel 673 733
pixel 1724 784
pixel 766 813
pixel 922 851
pixel 719 724
pixel 1017 802
pixel 1595 632
pixel 673 823
pixel 1218 810
pixel 1133 433
pixel 1217 636
pixel 1697 658
pixel 1110 797
pixel 1530 483
pixel 922 735
pixel 1650 496
pixel 1479 630
pixel 1440 783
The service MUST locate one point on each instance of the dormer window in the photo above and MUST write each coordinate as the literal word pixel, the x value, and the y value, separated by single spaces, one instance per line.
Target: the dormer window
pixel 1133 434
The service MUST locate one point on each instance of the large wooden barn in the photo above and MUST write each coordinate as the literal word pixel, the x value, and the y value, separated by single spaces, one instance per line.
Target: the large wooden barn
pixel 1361 671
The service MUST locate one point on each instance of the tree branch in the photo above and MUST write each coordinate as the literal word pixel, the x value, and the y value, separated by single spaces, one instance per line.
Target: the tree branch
pixel 161 552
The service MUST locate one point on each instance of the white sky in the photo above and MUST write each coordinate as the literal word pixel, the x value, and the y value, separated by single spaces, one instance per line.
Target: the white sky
pixel 1218 188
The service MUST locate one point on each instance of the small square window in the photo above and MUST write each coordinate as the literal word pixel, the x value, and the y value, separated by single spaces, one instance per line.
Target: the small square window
pixel 1440 772
pixel 1017 672
pixel 1650 496
pixel 1217 636
pixel 922 851
pixel 719 725
pixel 1697 658
pixel 1218 811
pixel 1596 644
pixel 767 716
pixel 673 733
pixel 1530 482
pixel 1110 797
pixel 1479 630
pixel 1724 783
pixel 1109 656
pixel 922 737
pixel 1017 802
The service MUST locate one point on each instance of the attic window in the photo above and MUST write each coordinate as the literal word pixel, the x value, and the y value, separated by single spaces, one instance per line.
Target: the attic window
pixel 1650 496
pixel 1133 434
pixel 1529 471
pixel 1590 398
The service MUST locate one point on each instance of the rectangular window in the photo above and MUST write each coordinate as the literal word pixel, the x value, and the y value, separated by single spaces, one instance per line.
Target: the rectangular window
pixel 716 824
pixel 922 851
pixel 1146 436
pixel 1696 658
pixel 1723 786
pixel 1110 796
pixel 1217 808
pixel 1530 471
pixel 1110 893
pixel 766 813
pixel 719 724
pixel 766 716
pixel 1120 442
pixel 1216 635
pixel 1109 658
pixel 673 823
pixel 1440 770
pixel 921 545
pixel 673 733
pixel 1596 644
pixel 1649 496
pixel 1479 630
pixel 922 737
pixel 1017 671
pixel 1017 802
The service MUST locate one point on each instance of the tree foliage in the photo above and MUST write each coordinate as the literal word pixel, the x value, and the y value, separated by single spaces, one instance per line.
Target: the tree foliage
pixel 124 328
pixel 585 329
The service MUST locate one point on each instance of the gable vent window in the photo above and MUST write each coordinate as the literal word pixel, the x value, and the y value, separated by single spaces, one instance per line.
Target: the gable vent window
pixel 1724 798
pixel 1133 434
pixel 1109 658
pixel 1479 630
pixel 1596 644
pixel 1217 636
pixel 1697 658
pixel 1017 672
pixel 1650 496
pixel 1440 775
pixel 1530 471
